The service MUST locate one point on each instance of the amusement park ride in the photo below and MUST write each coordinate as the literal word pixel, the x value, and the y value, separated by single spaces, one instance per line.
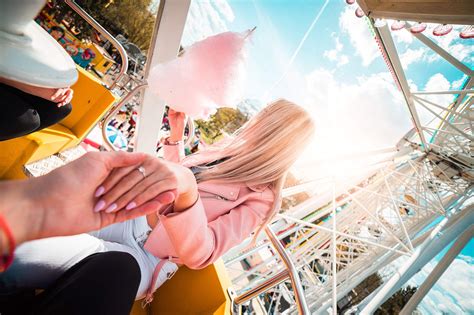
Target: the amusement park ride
pixel 412 201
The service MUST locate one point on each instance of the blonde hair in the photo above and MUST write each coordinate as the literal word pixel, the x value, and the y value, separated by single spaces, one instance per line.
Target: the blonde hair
pixel 262 151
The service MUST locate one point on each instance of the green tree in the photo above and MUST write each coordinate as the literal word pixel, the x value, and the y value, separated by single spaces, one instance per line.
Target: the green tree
pixel 395 304
pixel 292 200
pixel 226 120
pixel 131 18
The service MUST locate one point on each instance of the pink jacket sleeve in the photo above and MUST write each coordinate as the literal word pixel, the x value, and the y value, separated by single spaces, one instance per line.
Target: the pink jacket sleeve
pixel 174 153
pixel 198 243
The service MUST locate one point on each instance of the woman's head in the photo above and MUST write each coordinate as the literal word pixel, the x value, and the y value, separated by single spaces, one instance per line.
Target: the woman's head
pixel 263 150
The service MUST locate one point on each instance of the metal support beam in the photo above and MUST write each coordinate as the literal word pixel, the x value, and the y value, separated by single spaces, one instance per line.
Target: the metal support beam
pixel 168 40
pixel 386 39
pixel 422 255
pixel 262 287
pixel 443 53
pixel 438 271
pixel 89 19
pixel 294 277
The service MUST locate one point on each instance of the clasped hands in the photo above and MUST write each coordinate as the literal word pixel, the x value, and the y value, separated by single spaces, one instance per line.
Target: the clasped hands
pixel 96 190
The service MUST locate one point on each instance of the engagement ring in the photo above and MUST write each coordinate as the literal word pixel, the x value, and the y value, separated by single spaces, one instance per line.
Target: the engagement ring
pixel 141 169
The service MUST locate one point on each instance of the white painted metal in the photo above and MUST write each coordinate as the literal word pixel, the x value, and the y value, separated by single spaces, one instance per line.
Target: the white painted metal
pixel 168 40
pixel 424 253
pixel 438 271
pixel 384 213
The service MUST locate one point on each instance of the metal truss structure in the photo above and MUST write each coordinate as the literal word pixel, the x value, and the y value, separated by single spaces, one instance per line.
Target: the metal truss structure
pixel 413 201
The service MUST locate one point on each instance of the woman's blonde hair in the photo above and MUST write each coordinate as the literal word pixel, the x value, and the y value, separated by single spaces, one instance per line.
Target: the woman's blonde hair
pixel 262 151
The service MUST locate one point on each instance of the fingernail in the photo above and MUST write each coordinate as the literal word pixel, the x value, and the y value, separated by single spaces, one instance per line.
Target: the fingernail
pixel 131 205
pixel 111 208
pixel 99 191
pixel 99 206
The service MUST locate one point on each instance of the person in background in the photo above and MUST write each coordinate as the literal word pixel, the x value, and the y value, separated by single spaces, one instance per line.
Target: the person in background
pixel 27 108
pixel 84 57
pixel 35 77
pixel 57 32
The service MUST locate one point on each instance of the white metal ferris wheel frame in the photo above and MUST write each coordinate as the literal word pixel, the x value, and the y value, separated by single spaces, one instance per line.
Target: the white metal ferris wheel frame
pixel 165 44
pixel 451 121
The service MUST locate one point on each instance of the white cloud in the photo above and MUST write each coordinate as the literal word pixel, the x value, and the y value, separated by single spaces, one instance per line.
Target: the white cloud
pixel 462 52
pixel 336 55
pixel 367 114
pixel 459 48
pixel 437 82
pixel 206 18
pixel 458 83
pixel 224 8
pixel 411 56
pixel 359 36
pixel 402 36
pixel 452 292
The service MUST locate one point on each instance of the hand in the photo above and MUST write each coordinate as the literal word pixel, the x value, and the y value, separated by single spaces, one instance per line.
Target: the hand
pixel 61 96
pixel 61 202
pixel 177 121
pixel 128 188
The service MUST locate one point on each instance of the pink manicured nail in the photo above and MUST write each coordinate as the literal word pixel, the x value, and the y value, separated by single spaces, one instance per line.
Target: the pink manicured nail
pixel 99 191
pixel 131 205
pixel 111 208
pixel 99 206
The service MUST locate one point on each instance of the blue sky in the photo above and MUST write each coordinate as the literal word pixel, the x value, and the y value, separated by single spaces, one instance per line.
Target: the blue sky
pixel 341 78
pixel 338 74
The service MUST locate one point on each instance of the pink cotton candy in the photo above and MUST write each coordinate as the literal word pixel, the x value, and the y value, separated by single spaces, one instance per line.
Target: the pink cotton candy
pixel 208 75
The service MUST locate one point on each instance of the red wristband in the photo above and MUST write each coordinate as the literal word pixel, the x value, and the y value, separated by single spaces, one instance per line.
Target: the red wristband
pixel 6 260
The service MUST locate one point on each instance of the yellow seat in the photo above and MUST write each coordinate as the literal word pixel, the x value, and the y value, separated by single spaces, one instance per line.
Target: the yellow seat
pixel 90 103
pixel 191 292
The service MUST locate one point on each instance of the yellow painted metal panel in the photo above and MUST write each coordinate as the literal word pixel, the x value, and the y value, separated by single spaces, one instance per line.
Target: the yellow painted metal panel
pixel 192 292
pixel 90 103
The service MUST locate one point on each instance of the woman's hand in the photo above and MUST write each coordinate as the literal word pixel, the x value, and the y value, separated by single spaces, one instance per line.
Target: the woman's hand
pixel 129 188
pixel 177 121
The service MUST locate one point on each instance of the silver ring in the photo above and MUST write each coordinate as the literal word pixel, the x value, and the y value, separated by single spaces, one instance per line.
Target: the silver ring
pixel 141 169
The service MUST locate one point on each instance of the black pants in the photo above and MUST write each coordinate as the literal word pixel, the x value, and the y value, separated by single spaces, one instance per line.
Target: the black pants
pixel 103 283
pixel 22 113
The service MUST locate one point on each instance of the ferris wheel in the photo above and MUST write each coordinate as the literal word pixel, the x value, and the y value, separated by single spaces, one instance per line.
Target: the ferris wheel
pixel 413 200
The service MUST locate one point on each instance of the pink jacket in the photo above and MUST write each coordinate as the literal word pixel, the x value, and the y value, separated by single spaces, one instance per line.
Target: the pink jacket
pixel 223 216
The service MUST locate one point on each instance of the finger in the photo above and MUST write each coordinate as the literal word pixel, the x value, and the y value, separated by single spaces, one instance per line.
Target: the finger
pixel 122 159
pixel 114 177
pixel 115 161
pixel 61 98
pixel 143 193
pixel 152 206
pixel 132 185
pixel 57 94
pixel 125 184
pixel 70 95
pixel 165 197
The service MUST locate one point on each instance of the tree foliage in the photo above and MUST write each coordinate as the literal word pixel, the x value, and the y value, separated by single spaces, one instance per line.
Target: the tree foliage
pixel 226 120
pixel 395 304
pixel 131 18
pixel 392 306
pixel 295 199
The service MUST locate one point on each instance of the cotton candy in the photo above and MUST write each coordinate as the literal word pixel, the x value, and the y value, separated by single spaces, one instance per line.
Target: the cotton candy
pixel 208 75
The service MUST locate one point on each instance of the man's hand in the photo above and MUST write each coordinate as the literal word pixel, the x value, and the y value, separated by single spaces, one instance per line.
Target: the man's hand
pixel 62 202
